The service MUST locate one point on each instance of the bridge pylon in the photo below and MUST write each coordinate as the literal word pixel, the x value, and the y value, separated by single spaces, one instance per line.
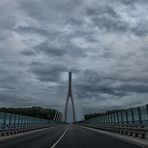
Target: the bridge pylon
pixel 70 96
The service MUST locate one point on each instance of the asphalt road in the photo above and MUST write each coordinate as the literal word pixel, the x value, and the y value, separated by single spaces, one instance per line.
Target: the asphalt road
pixel 42 139
pixel 71 136
pixel 77 137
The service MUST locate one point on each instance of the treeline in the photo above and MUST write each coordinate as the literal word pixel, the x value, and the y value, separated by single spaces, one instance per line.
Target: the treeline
pixel 35 111
pixel 93 115
pixel 89 116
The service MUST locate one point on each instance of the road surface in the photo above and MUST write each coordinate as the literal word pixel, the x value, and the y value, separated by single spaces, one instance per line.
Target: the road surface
pixel 66 136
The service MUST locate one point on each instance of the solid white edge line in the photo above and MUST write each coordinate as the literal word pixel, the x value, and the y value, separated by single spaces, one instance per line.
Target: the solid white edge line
pixel 60 138
pixel 9 137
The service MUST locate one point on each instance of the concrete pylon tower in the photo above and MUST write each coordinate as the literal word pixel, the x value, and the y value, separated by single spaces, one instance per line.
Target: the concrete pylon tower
pixel 70 96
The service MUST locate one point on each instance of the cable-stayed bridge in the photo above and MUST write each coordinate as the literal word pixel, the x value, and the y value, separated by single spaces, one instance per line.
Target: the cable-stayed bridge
pixel 72 105
pixel 118 129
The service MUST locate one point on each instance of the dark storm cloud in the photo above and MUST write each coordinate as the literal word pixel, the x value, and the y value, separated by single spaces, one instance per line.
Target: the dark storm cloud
pixel 65 49
pixel 31 30
pixel 121 90
pixel 141 29
pixel 128 2
pixel 102 10
pixel 94 84
pixel 9 100
pixel 28 52
pixel 46 72
pixel 107 18
pixel 50 49
pixel 34 8
pixel 137 88
pixel 104 43
pixel 131 2
pixel 49 34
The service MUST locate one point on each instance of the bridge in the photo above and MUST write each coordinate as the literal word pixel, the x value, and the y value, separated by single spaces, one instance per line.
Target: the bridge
pixel 118 129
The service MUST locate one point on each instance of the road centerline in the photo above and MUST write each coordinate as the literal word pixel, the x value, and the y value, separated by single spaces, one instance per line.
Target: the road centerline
pixel 53 146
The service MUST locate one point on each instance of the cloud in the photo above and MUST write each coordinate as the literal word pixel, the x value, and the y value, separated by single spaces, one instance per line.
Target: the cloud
pixel 106 18
pixel 28 52
pixel 103 43
pixel 131 2
pixel 59 50
pixel 94 84
pixel 50 49
pixel 47 72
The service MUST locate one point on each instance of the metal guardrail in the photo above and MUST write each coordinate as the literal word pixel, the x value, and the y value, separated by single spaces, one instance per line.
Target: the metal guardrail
pixel 133 122
pixel 8 120
pixel 132 117
pixel 13 123
pixel 12 131
pixel 138 132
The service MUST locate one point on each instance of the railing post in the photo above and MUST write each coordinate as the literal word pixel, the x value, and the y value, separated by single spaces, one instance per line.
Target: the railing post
pixel 114 119
pixel 108 119
pixel 103 119
pixel 147 110
pixel 10 117
pixel 22 121
pixel 28 119
pixel 4 121
pixel 14 123
pixel 25 121
pixel 111 119
pixel 117 118
pixel 139 114
pixel 18 123
pixel 126 117
pixel 132 113
pixel 121 117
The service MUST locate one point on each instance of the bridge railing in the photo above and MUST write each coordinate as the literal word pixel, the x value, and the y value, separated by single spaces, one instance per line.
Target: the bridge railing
pixel 8 120
pixel 133 117
pixel 129 121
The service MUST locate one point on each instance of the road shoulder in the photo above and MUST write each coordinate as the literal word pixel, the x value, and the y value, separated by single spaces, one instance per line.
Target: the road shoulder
pixel 9 137
pixel 139 142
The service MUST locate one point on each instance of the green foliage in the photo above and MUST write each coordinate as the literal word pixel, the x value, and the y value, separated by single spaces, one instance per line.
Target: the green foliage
pixel 34 111
pixel 89 116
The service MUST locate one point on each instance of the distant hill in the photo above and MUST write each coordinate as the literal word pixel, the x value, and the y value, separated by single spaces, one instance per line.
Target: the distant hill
pixel 35 111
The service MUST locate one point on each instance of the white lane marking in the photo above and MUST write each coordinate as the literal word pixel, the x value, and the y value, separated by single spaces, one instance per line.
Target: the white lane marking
pixel 60 138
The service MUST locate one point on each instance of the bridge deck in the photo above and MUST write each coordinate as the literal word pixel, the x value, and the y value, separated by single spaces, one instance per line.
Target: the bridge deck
pixel 73 137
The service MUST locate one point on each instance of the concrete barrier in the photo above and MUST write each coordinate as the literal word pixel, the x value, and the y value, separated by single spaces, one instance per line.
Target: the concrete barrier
pixel 12 131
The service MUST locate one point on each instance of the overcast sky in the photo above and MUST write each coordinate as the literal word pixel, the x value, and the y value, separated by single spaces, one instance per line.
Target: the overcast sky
pixel 104 43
